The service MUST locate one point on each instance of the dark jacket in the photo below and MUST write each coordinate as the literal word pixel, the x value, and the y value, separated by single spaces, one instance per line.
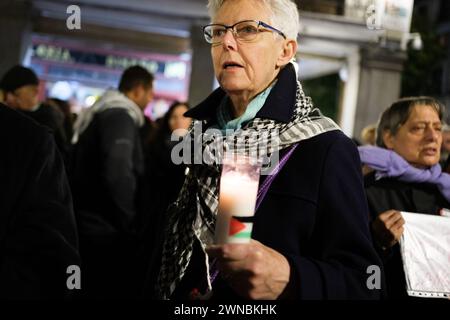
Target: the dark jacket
pixel 315 212
pixel 389 193
pixel 163 181
pixel 38 238
pixel 53 119
pixel 107 165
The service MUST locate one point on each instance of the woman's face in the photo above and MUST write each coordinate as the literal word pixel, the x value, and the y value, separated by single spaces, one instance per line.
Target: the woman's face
pixel 256 63
pixel 177 120
pixel 419 139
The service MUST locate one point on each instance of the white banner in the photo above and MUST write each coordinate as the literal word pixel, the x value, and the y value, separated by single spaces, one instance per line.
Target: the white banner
pixel 425 250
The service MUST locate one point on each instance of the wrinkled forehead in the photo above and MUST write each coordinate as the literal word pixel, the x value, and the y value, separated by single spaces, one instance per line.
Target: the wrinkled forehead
pixel 424 112
pixel 233 11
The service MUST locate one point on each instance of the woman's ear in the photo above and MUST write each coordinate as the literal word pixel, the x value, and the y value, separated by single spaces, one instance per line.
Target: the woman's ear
pixel 388 139
pixel 288 52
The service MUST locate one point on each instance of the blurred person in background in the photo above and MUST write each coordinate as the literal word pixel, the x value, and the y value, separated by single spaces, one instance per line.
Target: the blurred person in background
pixel 368 135
pixel 164 180
pixel 108 165
pixel 407 177
pixel 445 149
pixel 445 152
pixel 38 235
pixel 21 92
pixel 174 124
pixel 69 119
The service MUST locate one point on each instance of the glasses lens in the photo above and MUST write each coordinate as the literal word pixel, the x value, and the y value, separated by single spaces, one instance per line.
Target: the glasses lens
pixel 207 34
pixel 246 30
pixel 214 34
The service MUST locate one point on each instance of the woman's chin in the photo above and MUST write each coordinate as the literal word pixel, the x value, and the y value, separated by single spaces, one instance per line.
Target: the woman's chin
pixel 426 163
pixel 233 86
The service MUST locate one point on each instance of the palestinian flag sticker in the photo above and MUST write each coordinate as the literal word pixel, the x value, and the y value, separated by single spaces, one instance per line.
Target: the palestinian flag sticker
pixel 240 229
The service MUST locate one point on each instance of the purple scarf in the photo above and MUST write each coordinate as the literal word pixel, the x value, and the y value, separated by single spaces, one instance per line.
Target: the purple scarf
pixel 387 163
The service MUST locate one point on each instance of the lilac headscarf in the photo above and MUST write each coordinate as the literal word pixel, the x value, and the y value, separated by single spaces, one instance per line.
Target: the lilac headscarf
pixel 387 163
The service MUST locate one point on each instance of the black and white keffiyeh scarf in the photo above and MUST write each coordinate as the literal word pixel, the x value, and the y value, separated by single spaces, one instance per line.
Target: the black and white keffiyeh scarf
pixel 192 217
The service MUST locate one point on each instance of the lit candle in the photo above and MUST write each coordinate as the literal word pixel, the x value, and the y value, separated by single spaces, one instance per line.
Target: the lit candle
pixel 237 199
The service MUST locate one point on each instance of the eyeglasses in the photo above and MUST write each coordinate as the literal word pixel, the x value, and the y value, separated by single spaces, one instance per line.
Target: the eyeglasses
pixel 246 30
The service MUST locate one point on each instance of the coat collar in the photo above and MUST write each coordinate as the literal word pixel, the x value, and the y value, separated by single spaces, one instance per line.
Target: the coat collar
pixel 279 106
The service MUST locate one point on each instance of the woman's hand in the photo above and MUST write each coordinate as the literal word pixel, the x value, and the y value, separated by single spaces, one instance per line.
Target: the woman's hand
pixel 253 270
pixel 388 228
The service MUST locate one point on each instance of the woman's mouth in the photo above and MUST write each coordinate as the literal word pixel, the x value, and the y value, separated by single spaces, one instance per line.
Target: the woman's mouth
pixel 430 151
pixel 231 65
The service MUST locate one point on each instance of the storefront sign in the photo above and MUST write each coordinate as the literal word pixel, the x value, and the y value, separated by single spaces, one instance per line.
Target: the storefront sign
pixel 52 53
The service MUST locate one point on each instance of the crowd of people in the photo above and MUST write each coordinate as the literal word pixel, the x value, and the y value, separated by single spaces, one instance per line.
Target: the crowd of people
pixel 92 180
pixel 102 191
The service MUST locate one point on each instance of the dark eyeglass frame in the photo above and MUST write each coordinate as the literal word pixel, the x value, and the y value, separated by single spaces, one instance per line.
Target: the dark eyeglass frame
pixel 232 27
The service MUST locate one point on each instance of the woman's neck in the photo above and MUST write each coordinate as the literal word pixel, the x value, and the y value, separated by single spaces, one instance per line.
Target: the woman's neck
pixel 239 104
pixel 240 101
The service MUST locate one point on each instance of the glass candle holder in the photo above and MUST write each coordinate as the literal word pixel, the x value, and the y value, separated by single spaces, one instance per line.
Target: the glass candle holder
pixel 237 198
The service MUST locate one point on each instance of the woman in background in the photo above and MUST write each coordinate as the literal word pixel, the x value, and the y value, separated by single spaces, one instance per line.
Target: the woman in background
pixel 407 177
pixel 164 181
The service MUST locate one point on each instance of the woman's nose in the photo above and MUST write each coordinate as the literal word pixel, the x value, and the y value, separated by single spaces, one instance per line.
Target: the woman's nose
pixel 229 41
pixel 433 134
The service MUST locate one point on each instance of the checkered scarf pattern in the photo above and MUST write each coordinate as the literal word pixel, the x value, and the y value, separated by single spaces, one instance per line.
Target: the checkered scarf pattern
pixel 192 217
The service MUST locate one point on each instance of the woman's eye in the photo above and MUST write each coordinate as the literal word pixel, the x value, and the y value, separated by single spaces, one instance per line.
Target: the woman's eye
pixel 418 128
pixel 218 32
pixel 247 29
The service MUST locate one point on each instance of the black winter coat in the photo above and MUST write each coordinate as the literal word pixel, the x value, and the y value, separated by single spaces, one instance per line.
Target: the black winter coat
pixel 315 212
pixel 38 238
pixel 53 119
pixel 107 166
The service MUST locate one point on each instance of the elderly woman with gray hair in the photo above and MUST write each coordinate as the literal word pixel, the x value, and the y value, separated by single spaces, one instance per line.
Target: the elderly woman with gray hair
pixel 311 237
pixel 407 177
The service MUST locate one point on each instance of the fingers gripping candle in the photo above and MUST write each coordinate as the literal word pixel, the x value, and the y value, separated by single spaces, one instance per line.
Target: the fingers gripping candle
pixel 237 199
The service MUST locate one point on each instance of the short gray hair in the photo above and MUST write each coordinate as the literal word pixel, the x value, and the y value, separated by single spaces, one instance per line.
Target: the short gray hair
pixel 398 113
pixel 285 15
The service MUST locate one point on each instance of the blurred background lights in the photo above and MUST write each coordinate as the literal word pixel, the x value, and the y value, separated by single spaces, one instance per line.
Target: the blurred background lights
pixel 61 90
pixel 90 100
